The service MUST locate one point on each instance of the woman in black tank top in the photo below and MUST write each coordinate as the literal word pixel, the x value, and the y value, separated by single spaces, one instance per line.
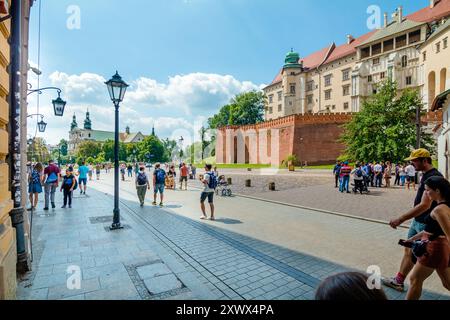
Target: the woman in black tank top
pixel 437 235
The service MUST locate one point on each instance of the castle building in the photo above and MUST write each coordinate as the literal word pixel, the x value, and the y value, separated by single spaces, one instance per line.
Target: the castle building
pixel 78 135
pixel 337 78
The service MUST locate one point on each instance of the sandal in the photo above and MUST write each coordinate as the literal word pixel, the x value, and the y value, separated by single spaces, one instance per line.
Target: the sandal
pixel 204 217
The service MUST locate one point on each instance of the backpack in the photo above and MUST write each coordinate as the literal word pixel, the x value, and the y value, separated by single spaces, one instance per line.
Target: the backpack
pixel 359 173
pixel 142 179
pixel 52 178
pixel 212 181
pixel 160 176
pixel 69 181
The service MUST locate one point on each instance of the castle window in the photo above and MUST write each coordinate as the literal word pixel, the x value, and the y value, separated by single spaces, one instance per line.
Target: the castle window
pixel 438 47
pixel 280 95
pixel 346 90
pixel 404 61
pixel 424 56
pixel 89 135
pixel 328 95
pixel 345 105
pixel 382 75
pixel 369 78
pixel 270 110
pixel 292 89
pixel 408 80
pixel 346 75
pixel 328 80
pixel 376 61
pixel 310 85
pixel 279 107
pixel 445 43
pixel 271 98
pixel 309 99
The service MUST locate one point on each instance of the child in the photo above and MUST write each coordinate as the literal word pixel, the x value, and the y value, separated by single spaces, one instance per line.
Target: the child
pixel 68 185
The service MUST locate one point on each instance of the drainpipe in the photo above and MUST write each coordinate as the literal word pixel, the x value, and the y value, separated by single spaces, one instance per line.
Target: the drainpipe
pixel 17 213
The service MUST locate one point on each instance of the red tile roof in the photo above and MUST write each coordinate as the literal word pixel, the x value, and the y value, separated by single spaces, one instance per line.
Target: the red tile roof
pixel 440 10
pixel 348 49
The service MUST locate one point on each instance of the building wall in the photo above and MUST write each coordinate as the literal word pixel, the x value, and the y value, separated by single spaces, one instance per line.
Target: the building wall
pixel 437 64
pixel 8 255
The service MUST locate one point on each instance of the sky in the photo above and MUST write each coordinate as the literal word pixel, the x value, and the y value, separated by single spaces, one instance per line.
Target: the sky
pixel 183 59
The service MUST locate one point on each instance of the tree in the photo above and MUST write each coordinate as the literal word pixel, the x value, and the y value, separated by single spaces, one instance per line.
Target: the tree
pixel 88 149
pixel 63 145
pixel 385 128
pixel 38 150
pixel 170 147
pixel 245 108
pixel 108 149
pixel 152 145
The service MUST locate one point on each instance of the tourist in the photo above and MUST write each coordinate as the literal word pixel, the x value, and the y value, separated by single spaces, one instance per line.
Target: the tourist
pixel 423 205
pixel 184 172
pixel 137 168
pixel 52 175
pixel 358 178
pixel 397 174
pixel 68 186
pixel 159 177
pixel 436 235
pixel 142 184
pixel 388 174
pixel 90 171
pixel 402 174
pixel 122 171
pixel 210 184
pixel 130 170
pixel 194 172
pixel 336 170
pixel 378 172
pixel 410 176
pixel 82 177
pixel 97 171
pixel 348 286
pixel 344 176
pixel 35 185
pixel 171 178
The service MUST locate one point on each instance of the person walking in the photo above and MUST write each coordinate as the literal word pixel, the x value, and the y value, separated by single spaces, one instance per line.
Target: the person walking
pixel 436 235
pixel 184 172
pixel 336 170
pixel 397 174
pixel 159 179
pixel 137 168
pixel 97 171
pixel 35 185
pixel 122 171
pixel 388 174
pixel 142 184
pixel 91 169
pixel 210 184
pixel 402 174
pixel 378 172
pixel 68 186
pixel 410 176
pixel 52 175
pixel 194 172
pixel 344 175
pixel 83 171
pixel 423 206
pixel 130 170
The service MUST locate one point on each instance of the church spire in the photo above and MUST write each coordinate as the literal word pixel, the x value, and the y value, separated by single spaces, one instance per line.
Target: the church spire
pixel 153 130
pixel 74 123
pixel 87 122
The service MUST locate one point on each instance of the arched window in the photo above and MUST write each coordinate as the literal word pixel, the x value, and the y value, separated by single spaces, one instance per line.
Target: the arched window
pixel 443 79
pixel 431 88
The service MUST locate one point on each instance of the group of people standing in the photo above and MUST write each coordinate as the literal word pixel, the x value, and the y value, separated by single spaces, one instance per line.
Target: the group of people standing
pixel 373 173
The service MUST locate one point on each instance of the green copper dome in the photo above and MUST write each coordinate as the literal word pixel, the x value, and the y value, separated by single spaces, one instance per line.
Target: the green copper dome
pixel 292 60
pixel 74 123
pixel 87 122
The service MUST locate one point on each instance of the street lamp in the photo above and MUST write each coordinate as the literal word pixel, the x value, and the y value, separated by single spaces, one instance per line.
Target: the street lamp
pixel 116 88
pixel 181 147
pixel 58 103
pixel 42 125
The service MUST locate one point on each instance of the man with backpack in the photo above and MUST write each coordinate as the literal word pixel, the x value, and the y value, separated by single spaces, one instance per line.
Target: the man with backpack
pixel 210 184
pixel 52 175
pixel 142 184
pixel 159 179
pixel 83 171
pixel 68 186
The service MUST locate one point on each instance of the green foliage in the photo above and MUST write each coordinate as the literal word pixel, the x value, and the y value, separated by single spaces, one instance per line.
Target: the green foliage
pixel 63 145
pixel 100 158
pixel 90 160
pixel 385 127
pixel 38 151
pixel 245 108
pixel 88 149
pixel 154 146
pixel 171 148
pixel 108 149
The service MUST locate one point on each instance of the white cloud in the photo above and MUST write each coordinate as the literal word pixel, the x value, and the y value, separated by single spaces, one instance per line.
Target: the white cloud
pixel 176 108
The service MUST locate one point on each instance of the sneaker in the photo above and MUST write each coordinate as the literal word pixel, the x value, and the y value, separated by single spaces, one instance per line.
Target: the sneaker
pixel 46 209
pixel 81 191
pixel 53 205
pixel 154 203
pixel 70 207
pixel 161 204
pixel 63 207
pixel 392 283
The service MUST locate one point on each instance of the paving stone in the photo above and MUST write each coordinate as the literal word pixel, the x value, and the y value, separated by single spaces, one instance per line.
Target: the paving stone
pixel 61 292
pixel 162 284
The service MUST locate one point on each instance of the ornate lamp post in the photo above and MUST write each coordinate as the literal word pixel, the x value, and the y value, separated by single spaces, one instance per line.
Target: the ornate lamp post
pixel 58 103
pixel 116 88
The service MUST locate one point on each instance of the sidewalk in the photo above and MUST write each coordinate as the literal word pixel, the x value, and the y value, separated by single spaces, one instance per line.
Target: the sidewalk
pixel 169 254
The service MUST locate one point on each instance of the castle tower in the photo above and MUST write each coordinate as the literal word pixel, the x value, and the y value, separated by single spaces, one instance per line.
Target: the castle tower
pixel 87 122
pixel 293 84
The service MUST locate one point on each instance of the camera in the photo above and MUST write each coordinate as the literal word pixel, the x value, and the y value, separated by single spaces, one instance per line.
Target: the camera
pixel 419 247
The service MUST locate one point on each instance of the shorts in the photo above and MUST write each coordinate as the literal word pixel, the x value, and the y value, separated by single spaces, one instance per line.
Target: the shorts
pixel 410 178
pixel 415 228
pixel 209 195
pixel 82 181
pixel 159 187
pixel 437 256
pixel 183 179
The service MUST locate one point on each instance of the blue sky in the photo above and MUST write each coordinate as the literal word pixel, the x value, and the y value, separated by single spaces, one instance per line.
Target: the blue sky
pixel 183 58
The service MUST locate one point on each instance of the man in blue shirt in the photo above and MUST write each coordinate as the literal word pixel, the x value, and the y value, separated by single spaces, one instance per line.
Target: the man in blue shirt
pixel 336 171
pixel 82 177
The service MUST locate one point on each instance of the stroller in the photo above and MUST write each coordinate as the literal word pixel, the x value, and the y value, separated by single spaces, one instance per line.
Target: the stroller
pixel 223 188
pixel 360 186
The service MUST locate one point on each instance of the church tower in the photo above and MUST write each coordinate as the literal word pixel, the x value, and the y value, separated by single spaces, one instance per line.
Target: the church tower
pixel 74 123
pixel 293 84
pixel 87 122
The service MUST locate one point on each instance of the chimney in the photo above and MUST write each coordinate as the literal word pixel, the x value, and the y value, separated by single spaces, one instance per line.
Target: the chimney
pixel 385 19
pixel 350 39
pixel 400 14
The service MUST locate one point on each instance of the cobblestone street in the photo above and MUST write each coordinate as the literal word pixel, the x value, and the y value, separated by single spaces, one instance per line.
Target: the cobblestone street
pixel 254 250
